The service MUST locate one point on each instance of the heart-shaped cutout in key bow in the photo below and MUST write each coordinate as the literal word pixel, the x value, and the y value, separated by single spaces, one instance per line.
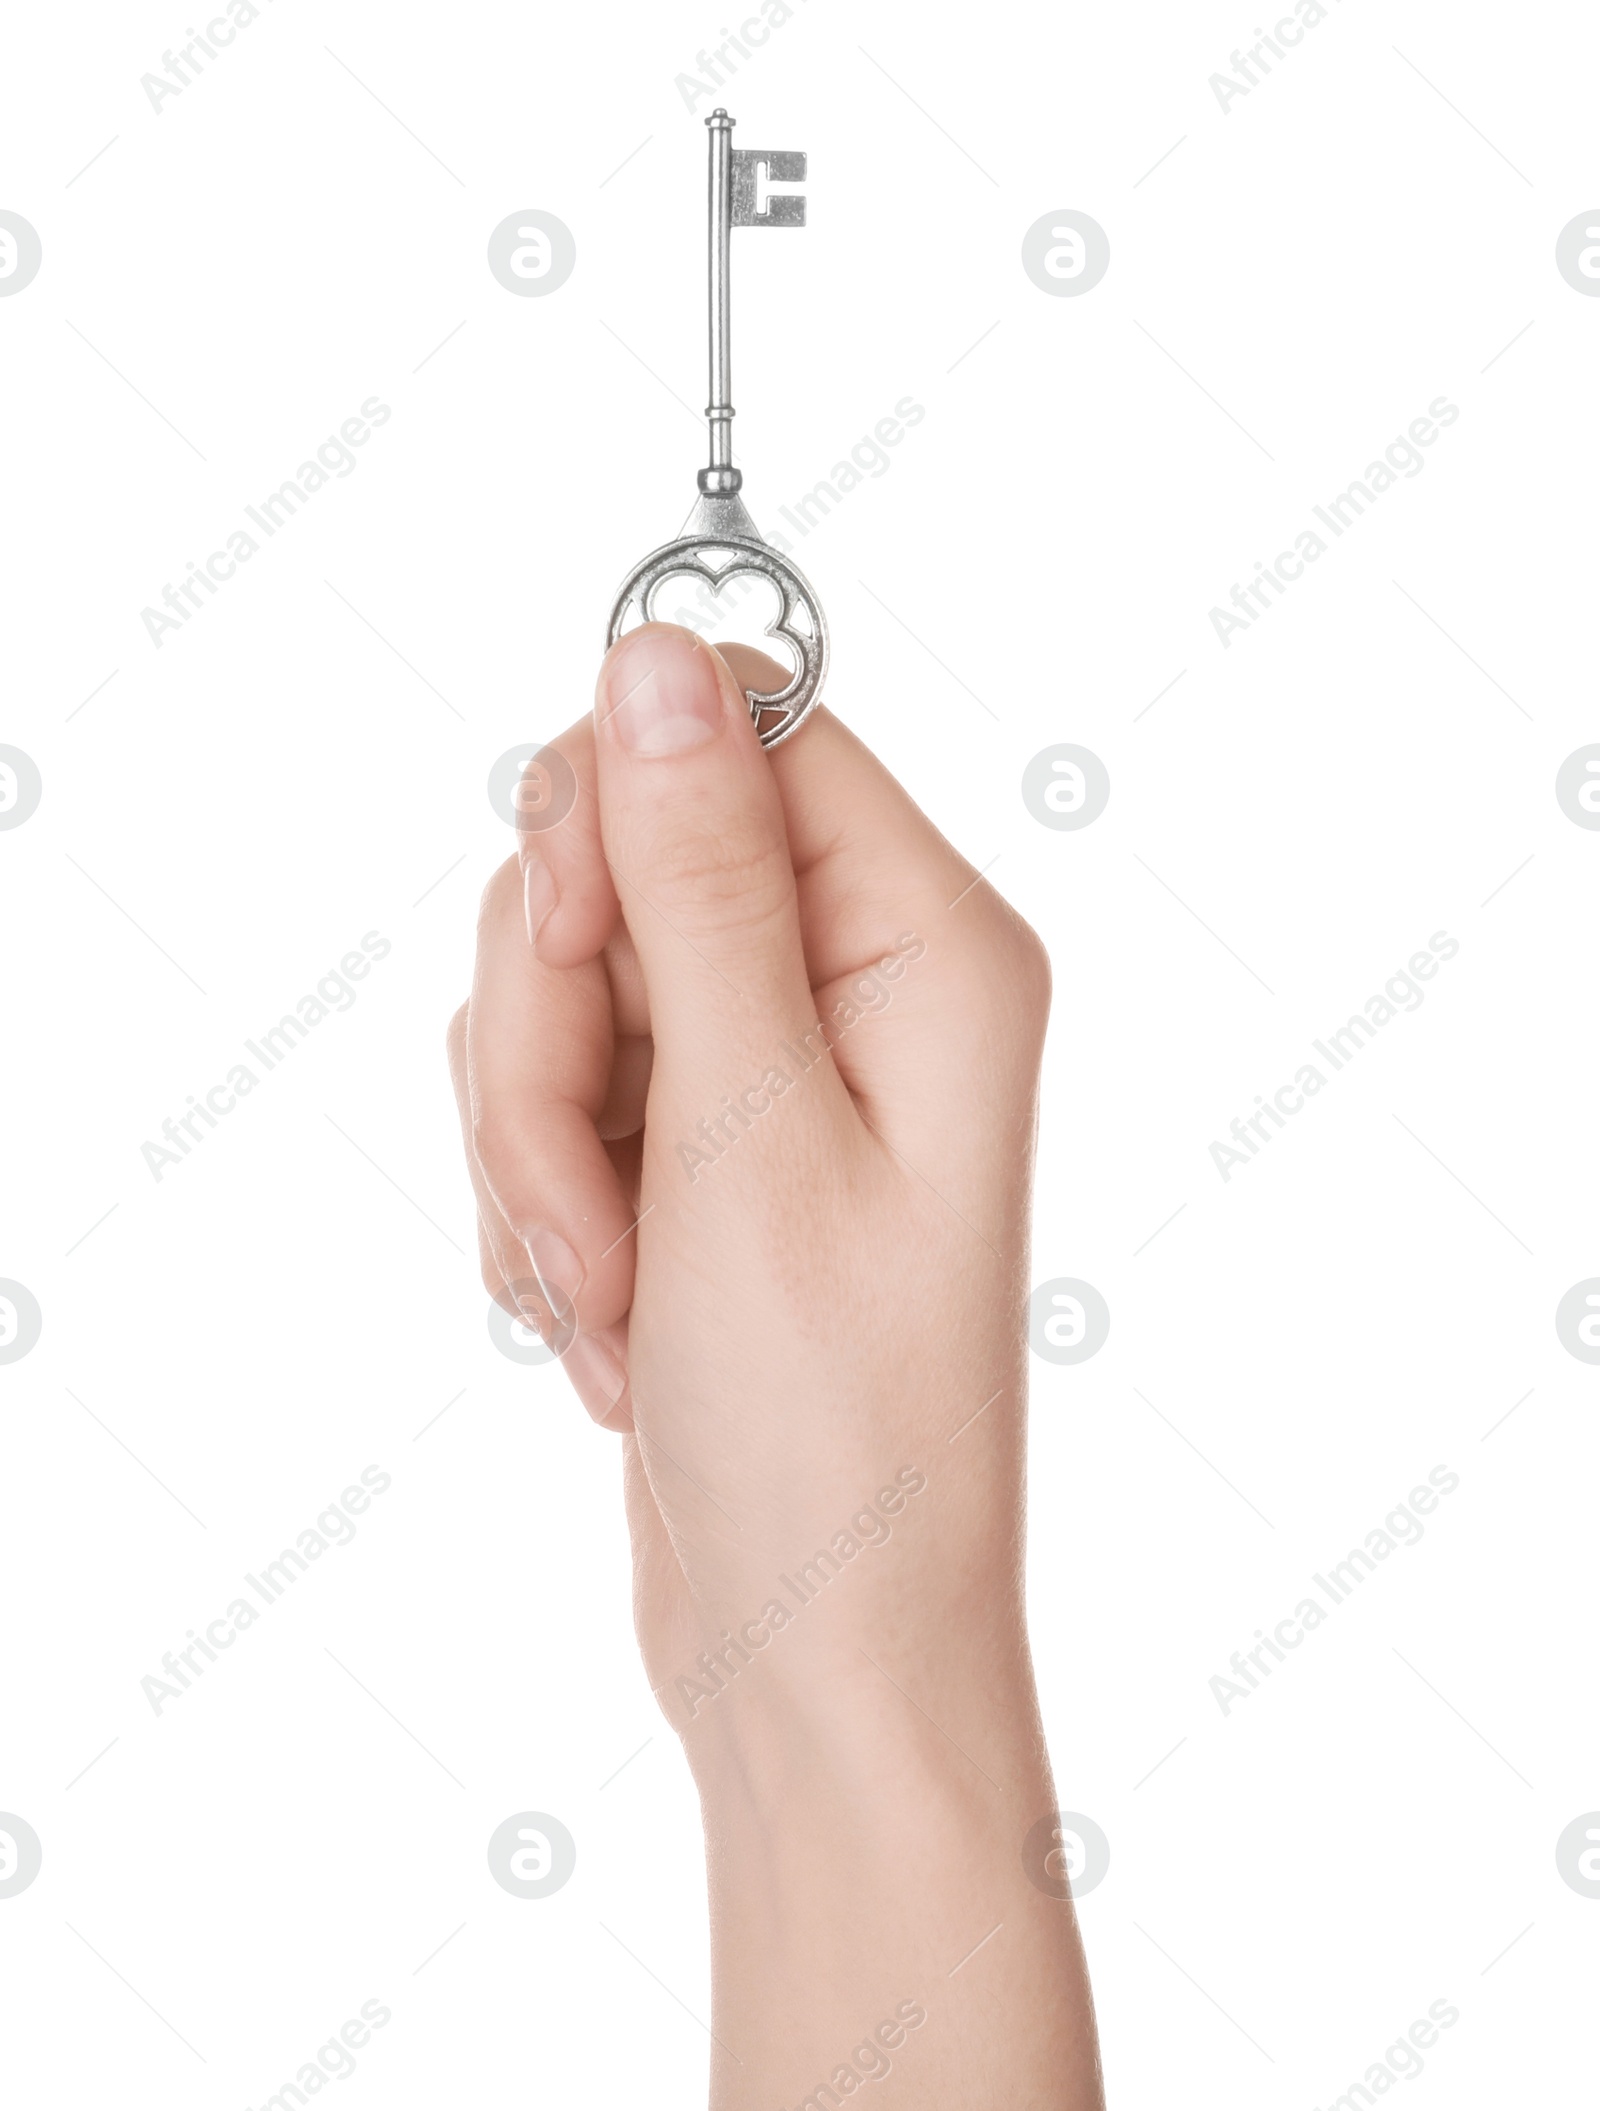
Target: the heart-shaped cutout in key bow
pixel 799 625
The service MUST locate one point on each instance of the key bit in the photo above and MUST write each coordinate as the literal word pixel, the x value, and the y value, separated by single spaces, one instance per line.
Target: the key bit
pixel 781 210
pixel 719 541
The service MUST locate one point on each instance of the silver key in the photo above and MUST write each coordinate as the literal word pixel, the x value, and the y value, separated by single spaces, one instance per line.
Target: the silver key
pixel 719 541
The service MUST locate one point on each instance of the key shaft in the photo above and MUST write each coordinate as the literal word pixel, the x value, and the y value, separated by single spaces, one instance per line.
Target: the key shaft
pixel 721 476
pixel 734 201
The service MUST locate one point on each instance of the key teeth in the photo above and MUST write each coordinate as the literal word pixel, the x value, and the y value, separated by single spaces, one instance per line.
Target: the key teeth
pixel 782 166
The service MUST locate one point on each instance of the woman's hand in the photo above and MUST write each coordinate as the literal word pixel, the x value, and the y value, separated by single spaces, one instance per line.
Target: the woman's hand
pixel 748 1081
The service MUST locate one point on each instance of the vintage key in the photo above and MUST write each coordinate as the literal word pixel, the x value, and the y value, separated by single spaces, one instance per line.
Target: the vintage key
pixel 719 541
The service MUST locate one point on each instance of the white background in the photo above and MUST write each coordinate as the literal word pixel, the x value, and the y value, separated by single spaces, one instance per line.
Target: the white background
pixel 305 762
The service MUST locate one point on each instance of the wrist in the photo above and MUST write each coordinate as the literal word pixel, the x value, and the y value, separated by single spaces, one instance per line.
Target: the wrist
pixel 856 1716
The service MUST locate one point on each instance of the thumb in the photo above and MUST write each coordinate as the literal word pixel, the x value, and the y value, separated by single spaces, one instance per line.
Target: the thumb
pixel 694 832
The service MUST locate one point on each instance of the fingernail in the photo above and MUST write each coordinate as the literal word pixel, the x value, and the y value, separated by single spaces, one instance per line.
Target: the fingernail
pixel 532 1311
pixel 558 1269
pixel 538 894
pixel 591 1361
pixel 660 694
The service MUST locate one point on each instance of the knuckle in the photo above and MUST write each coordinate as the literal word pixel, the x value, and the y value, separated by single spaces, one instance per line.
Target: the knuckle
pixel 455 1036
pixel 1030 968
pixel 1006 962
pixel 733 874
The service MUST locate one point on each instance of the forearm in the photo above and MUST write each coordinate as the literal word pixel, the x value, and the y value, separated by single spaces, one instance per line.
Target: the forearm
pixel 870 1912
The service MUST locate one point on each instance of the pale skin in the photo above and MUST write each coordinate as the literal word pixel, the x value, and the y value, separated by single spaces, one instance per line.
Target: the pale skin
pixel 798 1273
